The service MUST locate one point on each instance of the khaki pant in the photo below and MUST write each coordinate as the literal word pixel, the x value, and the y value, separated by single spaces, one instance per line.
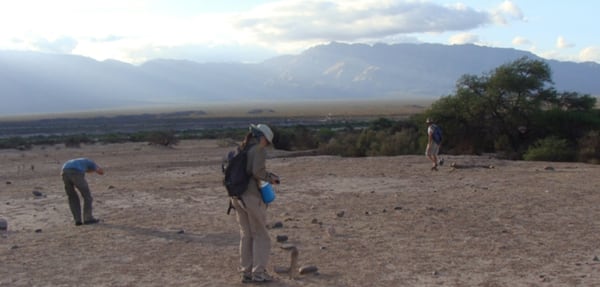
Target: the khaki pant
pixel 76 179
pixel 255 243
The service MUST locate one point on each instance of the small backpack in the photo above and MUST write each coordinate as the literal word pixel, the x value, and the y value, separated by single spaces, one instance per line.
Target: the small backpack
pixel 437 134
pixel 236 178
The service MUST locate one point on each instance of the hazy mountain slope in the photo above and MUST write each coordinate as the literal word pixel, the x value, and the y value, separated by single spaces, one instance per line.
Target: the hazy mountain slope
pixel 39 83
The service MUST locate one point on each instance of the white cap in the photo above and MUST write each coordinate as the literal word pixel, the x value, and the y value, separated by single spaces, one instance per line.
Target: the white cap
pixel 265 130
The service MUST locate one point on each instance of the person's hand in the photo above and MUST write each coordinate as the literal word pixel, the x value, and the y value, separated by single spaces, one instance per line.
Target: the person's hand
pixel 274 178
pixel 100 171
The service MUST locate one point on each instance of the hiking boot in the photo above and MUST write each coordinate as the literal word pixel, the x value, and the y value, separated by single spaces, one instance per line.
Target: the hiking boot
pixel 246 277
pixel 262 277
pixel 434 168
pixel 77 223
pixel 441 162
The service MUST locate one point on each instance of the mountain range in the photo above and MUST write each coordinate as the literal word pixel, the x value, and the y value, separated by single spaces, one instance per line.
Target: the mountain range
pixel 32 82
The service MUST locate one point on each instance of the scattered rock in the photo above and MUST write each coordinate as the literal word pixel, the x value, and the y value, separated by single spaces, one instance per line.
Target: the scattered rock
pixel 322 247
pixel 548 168
pixel 314 221
pixel 3 224
pixel 8 182
pixel 331 231
pixel 14 247
pixel 398 208
pixel 39 230
pixel 340 214
pixel 281 269
pixel 282 238
pixel 307 269
pixel 38 193
pixel 596 258
pixel 181 231
pixel 111 187
pixel 288 246
pixel 277 224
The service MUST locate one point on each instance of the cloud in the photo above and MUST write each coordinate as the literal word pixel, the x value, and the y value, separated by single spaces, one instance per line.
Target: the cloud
pixel 507 10
pixel 521 41
pixel 62 45
pixel 561 43
pixel 336 20
pixel 464 38
pixel 591 54
pixel 134 31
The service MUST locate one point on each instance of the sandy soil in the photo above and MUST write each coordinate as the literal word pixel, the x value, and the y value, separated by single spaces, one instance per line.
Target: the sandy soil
pixel 381 221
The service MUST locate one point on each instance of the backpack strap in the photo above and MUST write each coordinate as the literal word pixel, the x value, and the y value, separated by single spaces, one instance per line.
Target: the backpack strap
pixel 231 204
pixel 230 207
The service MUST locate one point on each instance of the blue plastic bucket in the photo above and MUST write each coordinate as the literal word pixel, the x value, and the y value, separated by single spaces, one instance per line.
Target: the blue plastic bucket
pixel 267 192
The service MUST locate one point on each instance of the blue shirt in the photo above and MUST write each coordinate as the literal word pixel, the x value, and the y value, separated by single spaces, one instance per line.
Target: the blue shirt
pixel 80 164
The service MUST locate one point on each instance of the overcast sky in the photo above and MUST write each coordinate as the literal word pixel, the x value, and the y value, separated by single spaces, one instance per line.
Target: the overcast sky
pixel 135 31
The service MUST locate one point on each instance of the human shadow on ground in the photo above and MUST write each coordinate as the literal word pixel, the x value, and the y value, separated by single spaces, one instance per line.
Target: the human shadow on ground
pixel 217 239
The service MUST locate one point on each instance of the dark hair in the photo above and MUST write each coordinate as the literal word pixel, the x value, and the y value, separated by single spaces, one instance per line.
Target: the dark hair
pixel 246 140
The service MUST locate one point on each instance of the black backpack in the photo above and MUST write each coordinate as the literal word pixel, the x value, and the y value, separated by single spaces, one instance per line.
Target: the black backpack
pixel 236 178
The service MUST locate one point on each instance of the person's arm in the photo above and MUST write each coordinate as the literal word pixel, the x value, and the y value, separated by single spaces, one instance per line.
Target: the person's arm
pixel 429 135
pixel 259 169
pixel 94 167
pixel 99 170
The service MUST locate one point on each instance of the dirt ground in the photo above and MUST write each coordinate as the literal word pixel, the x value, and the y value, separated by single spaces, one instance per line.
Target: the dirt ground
pixel 376 221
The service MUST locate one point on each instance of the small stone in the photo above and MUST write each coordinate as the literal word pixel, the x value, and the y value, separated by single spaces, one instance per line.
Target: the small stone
pixel 39 230
pixel 340 214
pixel 282 238
pixel 3 224
pixel 8 182
pixel 306 269
pixel 288 246
pixel 181 231
pixel 277 224
pixel 14 247
pixel 331 231
pixel 548 168
pixel 37 193
pixel 314 221
pixel 596 258
pixel 398 208
pixel 111 187
pixel 281 269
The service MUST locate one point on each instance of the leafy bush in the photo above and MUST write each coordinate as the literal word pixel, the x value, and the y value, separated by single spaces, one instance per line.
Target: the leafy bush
pixel 589 147
pixel 344 144
pixel 75 141
pixel 163 138
pixel 550 149
pixel 16 143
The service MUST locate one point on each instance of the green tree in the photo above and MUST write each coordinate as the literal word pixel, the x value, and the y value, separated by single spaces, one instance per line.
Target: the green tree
pixel 504 111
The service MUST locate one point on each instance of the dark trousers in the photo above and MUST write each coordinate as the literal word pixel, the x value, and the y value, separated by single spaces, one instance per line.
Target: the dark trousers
pixel 75 179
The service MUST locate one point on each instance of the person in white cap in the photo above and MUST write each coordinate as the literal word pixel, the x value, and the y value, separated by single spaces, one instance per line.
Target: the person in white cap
pixel 251 211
